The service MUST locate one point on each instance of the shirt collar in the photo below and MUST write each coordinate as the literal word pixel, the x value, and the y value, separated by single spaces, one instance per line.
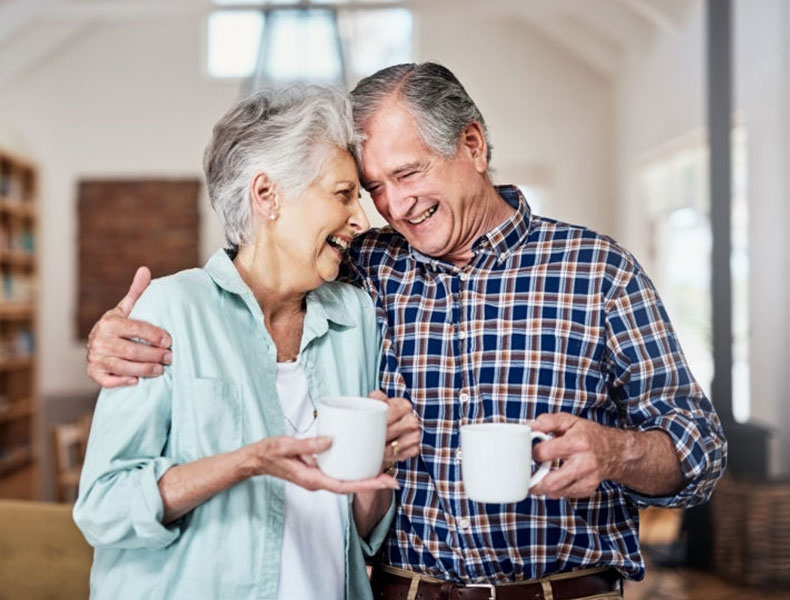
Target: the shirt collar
pixel 322 304
pixel 505 237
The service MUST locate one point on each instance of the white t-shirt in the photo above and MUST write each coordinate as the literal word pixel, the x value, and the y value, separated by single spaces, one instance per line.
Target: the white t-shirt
pixel 313 561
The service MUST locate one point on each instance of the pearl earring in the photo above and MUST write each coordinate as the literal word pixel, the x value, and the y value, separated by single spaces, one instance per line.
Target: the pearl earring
pixel 273 217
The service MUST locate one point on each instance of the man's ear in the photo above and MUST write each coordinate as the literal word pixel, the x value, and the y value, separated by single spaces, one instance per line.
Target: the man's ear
pixel 473 140
pixel 264 198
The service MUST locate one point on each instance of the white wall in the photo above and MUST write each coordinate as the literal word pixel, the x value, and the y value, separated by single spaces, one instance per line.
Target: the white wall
pixel 661 97
pixel 128 99
pixel 548 113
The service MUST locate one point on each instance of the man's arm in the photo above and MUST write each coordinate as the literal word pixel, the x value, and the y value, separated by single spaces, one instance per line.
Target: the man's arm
pixel 669 448
pixel 121 349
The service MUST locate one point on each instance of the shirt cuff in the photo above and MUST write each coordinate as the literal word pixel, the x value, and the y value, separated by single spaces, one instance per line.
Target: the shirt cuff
pixel 147 508
pixel 702 456
pixel 376 537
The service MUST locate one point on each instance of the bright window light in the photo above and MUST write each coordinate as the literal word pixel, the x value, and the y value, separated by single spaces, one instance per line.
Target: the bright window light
pixel 233 39
pixel 301 45
pixel 377 39
pixel 323 45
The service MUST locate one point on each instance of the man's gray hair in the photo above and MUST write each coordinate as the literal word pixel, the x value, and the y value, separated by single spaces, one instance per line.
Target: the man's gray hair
pixel 284 133
pixel 434 96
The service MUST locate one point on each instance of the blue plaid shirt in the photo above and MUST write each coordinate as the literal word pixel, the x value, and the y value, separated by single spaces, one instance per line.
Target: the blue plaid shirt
pixel 547 317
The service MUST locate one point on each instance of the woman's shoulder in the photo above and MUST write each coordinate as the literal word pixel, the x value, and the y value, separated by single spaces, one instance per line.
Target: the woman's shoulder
pixel 164 294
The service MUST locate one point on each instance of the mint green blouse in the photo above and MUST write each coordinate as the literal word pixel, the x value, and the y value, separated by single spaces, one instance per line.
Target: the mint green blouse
pixel 218 395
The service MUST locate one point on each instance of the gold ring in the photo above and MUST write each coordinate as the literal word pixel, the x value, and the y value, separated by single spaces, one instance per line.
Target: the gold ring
pixel 395 448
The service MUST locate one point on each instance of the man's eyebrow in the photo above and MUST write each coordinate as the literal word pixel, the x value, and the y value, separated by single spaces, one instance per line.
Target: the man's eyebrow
pixel 407 167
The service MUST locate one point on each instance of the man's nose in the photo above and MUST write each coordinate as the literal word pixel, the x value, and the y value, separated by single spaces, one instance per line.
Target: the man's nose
pixel 400 203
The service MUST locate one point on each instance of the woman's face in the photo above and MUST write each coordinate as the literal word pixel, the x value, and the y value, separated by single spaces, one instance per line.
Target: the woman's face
pixel 315 228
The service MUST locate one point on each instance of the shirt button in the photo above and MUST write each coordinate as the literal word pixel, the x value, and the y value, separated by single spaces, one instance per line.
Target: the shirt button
pixel 464 397
pixel 464 276
pixel 464 523
pixel 461 334
pixel 458 454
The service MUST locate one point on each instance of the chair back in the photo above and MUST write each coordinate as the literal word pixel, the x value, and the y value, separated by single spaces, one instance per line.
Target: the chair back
pixel 70 440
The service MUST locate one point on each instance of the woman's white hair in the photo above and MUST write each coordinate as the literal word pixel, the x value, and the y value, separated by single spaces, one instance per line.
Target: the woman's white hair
pixel 285 133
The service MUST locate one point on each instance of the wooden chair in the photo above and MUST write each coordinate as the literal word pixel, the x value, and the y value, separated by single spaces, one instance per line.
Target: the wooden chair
pixel 70 441
pixel 42 553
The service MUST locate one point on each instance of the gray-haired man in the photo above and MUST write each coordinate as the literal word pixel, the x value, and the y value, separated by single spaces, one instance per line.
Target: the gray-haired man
pixel 492 313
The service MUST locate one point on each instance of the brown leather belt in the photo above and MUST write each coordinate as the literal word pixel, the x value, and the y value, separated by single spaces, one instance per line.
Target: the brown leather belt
pixel 396 584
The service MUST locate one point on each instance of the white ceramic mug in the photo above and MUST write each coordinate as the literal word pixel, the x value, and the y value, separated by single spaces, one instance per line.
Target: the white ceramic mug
pixel 496 461
pixel 358 428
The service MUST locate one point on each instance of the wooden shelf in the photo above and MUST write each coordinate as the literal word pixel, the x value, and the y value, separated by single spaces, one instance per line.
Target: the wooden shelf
pixel 17 310
pixel 20 440
pixel 18 209
pixel 18 258
pixel 16 458
pixel 19 409
pixel 17 363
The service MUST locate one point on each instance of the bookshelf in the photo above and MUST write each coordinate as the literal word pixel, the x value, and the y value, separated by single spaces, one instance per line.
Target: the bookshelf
pixel 19 405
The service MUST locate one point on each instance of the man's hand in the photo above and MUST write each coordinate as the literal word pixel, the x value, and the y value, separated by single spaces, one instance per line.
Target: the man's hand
pixel 113 358
pixel 645 461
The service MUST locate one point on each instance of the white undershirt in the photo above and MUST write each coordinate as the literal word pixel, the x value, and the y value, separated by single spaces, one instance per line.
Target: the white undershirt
pixel 313 562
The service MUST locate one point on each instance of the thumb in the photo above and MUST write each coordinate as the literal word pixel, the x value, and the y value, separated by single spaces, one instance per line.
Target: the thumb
pixel 315 445
pixel 141 280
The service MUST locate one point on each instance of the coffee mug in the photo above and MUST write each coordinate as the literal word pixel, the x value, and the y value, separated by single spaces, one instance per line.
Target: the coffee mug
pixel 358 428
pixel 496 461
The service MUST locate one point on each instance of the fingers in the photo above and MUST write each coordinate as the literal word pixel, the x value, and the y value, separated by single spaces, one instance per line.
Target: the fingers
pixel 117 326
pixel 141 280
pixel 311 478
pixel 398 408
pixel 133 351
pixel 105 379
pixel 560 447
pixel 557 423
pixel 284 446
pixel 408 447
pixel 378 395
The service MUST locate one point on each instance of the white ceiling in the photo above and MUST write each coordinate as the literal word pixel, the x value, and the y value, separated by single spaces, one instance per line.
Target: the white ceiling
pixel 602 33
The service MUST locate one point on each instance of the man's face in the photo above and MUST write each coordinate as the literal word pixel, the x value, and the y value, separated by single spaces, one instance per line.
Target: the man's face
pixel 430 200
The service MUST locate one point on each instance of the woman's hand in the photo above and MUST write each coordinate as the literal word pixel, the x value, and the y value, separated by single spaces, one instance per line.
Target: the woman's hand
pixel 403 429
pixel 293 459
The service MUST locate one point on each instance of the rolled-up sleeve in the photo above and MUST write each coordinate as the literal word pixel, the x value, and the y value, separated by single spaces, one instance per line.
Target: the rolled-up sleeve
pixel 119 504
pixel 655 390
pixel 373 541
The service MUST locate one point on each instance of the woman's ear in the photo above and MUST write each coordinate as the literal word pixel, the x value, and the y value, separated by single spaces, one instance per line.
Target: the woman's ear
pixel 264 197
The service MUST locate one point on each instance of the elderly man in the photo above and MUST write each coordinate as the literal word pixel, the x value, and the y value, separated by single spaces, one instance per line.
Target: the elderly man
pixel 492 313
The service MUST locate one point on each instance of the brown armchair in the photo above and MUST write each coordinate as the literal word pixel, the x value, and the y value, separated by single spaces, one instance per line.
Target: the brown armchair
pixel 42 553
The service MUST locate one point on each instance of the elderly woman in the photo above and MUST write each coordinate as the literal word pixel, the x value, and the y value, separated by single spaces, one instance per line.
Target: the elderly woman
pixel 171 493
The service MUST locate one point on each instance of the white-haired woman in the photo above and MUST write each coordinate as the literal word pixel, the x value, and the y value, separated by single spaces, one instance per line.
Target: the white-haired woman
pixel 171 493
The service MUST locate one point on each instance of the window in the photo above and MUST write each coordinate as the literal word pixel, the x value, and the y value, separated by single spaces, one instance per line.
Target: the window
pixel 676 188
pixel 318 41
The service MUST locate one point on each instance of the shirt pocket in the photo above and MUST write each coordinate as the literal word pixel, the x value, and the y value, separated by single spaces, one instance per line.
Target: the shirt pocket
pixel 207 417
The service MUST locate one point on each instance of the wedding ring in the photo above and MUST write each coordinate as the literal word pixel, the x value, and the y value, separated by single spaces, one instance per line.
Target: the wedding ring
pixel 395 448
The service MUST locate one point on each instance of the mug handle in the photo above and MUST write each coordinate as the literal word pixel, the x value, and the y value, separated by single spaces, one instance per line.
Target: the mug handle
pixel 545 467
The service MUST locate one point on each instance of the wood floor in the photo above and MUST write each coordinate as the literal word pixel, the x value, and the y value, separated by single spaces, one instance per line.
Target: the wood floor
pixel 685 584
pixel 665 583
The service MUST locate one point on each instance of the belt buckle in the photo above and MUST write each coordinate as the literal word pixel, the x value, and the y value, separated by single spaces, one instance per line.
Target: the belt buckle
pixel 491 588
